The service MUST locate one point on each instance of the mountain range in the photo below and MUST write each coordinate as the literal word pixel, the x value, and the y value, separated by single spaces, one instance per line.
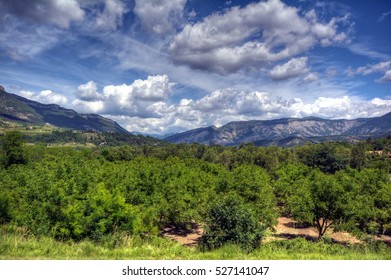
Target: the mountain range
pixel 14 108
pixel 287 131
pixel 281 132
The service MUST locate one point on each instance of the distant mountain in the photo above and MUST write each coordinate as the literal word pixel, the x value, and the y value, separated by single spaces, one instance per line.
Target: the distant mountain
pixel 154 135
pixel 286 132
pixel 27 112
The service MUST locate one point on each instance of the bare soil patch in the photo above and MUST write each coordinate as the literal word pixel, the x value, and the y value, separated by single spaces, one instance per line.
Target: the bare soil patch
pixel 188 237
pixel 286 229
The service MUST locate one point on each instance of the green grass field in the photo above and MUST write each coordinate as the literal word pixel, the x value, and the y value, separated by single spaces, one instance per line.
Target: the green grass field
pixel 6 126
pixel 16 243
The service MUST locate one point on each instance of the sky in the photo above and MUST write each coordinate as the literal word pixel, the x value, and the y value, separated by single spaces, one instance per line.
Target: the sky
pixel 162 67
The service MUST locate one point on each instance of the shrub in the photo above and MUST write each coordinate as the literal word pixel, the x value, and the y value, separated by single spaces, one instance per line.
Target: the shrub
pixel 231 221
pixel 4 209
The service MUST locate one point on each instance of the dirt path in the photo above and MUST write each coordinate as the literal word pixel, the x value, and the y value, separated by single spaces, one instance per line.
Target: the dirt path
pixel 286 229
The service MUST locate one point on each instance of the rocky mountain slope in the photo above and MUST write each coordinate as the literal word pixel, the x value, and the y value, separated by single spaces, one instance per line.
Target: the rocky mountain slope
pixel 287 131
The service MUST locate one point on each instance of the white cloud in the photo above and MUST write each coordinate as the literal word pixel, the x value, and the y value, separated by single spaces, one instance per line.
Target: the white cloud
pixel 331 72
pixel 293 68
pixel 95 107
pixel 159 17
pixel 45 97
pixel 57 12
pixel 386 77
pixel 362 49
pixel 311 77
pixel 381 67
pixel 88 92
pixel 381 102
pixel 140 98
pixel 112 15
pixel 13 38
pixel 148 105
pixel 327 33
pixel 223 106
pixel 374 68
pixel 383 16
pixel 251 36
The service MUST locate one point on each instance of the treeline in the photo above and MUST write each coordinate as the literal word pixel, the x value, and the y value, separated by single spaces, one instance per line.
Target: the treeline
pixel 96 138
pixel 98 193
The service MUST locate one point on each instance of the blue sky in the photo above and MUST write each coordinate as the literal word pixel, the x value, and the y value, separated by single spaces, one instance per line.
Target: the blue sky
pixel 168 66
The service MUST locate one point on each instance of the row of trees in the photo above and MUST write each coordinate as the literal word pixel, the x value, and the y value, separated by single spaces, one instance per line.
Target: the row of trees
pixel 78 193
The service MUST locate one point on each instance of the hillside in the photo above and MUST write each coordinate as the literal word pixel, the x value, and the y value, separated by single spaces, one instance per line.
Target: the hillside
pixel 286 132
pixel 14 108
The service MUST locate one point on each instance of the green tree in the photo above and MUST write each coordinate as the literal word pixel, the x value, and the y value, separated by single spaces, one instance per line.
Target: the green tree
pixel 358 156
pixel 328 157
pixel 12 146
pixel 373 197
pixel 252 183
pixel 229 220
pixel 322 201
pixel 289 177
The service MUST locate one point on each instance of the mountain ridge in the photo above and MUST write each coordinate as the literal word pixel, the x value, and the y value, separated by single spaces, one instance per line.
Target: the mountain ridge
pixel 28 112
pixel 286 131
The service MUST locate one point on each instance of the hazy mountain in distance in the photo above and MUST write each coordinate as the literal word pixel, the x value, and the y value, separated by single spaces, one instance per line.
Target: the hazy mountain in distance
pixel 287 131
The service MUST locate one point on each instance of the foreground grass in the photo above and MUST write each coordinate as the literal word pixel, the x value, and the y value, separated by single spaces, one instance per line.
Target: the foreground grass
pixel 16 243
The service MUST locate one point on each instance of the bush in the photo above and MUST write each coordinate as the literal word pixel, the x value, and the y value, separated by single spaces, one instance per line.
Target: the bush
pixel 231 221
pixel 5 216
pixel 12 146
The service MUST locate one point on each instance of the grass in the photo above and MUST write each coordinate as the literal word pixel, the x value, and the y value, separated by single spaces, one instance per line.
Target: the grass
pixel 17 243
pixel 30 130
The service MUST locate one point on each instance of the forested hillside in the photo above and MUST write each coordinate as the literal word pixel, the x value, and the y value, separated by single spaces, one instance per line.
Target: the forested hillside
pixel 235 193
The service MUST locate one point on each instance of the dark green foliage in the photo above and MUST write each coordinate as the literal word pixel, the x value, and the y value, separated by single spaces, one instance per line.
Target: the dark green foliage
pixel 252 183
pixel 322 201
pixel 5 215
pixel 289 178
pixel 12 147
pixel 75 194
pixel 94 193
pixel 358 158
pixel 231 221
pixel 104 139
pixel 372 189
pixel 328 157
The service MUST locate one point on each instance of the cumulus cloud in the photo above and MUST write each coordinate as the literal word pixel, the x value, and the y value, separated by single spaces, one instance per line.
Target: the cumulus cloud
pixel 223 106
pixel 157 16
pixel 45 97
pixel 148 105
pixel 57 12
pixel 254 35
pixel 326 33
pixel 261 105
pixel 96 107
pixel 141 98
pixel 293 68
pixel 88 92
pixel 112 15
